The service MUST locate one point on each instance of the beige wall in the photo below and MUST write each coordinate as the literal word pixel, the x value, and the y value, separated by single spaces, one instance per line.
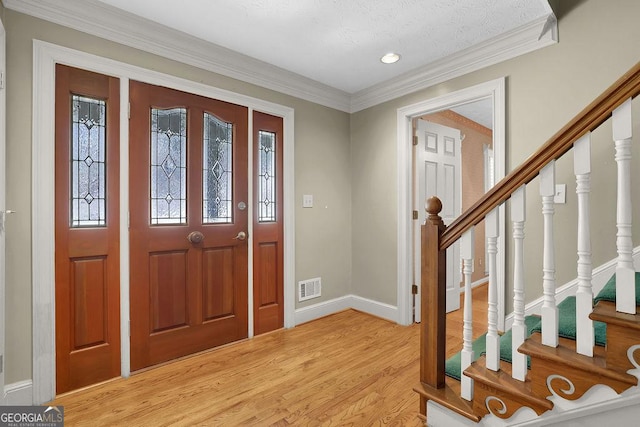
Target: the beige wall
pixel 348 162
pixel 322 158
pixel 544 90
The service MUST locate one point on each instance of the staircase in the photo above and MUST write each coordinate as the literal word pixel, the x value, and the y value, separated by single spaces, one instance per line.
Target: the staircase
pixel 572 349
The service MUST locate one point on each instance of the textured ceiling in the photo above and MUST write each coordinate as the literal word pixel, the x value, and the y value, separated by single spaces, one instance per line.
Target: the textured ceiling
pixel 339 42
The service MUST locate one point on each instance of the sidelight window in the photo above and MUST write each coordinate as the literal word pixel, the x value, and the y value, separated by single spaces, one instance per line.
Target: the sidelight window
pixel 88 162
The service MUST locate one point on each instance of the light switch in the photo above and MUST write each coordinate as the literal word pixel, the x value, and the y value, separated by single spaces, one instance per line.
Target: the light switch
pixel 561 194
pixel 307 201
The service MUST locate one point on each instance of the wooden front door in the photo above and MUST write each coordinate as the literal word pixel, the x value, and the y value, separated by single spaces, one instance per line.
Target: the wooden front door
pixel 188 223
pixel 268 221
pixel 87 228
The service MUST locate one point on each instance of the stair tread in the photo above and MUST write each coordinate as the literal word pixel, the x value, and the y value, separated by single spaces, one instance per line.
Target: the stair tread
pixel 565 354
pixel 449 397
pixel 503 381
pixel 605 311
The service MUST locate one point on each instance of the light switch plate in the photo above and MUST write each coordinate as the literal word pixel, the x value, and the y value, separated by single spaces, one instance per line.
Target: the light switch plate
pixel 307 201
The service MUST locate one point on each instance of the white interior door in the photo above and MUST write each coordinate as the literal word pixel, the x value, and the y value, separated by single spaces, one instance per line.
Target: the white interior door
pixel 438 173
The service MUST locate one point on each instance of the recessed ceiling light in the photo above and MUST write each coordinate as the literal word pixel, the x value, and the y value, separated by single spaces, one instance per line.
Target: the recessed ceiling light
pixel 390 58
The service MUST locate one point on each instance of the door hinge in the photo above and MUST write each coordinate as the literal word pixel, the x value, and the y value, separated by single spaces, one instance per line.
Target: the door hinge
pixel 129 112
pixel 415 214
pixel 414 289
pixel 129 326
pixel 415 139
pixel 1 79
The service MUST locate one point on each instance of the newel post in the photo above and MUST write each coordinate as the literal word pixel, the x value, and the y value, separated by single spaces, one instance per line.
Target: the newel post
pixel 433 303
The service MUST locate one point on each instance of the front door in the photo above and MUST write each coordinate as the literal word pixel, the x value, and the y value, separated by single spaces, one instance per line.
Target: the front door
pixel 188 223
pixel 438 173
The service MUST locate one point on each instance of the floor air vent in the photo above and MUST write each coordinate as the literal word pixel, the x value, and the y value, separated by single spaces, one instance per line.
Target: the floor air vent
pixel 311 288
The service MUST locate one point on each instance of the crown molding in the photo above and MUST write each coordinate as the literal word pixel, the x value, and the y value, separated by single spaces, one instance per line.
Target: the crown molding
pixel 110 23
pixel 527 38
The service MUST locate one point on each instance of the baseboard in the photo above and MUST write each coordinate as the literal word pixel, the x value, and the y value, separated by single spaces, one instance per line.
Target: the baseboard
pixel 375 308
pixel 600 276
pixel 325 308
pixel 19 394
pixel 321 309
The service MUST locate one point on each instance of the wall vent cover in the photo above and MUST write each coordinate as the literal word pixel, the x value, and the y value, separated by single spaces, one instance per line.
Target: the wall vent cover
pixel 311 288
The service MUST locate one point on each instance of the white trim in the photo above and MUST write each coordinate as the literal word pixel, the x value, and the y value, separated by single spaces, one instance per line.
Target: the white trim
pixel 516 42
pixel 494 89
pixel 601 275
pixel 375 308
pixel 45 56
pixel 19 394
pixel 3 189
pixel 110 23
pixel 322 309
pixel 125 338
pixel 107 22
pixel 326 308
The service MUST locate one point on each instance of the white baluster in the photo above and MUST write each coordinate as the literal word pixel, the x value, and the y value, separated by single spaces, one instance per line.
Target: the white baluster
pixel 584 294
pixel 549 309
pixel 518 330
pixel 466 253
pixel 625 274
pixel 493 340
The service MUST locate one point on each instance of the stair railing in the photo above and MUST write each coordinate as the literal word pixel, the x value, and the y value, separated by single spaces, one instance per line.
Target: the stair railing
pixel 436 238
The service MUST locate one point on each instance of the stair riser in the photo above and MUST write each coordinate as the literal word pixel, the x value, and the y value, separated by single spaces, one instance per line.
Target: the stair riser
pixel 580 380
pixel 618 341
pixel 510 407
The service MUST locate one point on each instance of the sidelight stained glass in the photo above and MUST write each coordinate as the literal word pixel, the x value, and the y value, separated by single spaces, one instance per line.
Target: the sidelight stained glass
pixel 88 162
pixel 217 188
pixel 267 177
pixel 168 166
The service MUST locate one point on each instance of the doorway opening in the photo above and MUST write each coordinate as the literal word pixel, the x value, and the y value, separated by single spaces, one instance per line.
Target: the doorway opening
pixel 489 94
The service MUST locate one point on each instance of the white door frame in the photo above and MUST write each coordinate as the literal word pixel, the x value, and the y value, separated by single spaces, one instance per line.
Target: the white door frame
pixel 3 188
pixel 45 57
pixel 495 90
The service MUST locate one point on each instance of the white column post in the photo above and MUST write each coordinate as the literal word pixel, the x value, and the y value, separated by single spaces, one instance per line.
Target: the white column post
pixel 493 340
pixel 625 273
pixel 584 294
pixel 518 330
pixel 549 307
pixel 467 356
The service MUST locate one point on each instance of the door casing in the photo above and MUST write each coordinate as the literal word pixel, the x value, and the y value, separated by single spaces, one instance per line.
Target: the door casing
pixel 46 55
pixel 495 90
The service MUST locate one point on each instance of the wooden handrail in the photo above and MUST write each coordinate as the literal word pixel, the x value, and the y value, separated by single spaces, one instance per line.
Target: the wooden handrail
pixel 627 86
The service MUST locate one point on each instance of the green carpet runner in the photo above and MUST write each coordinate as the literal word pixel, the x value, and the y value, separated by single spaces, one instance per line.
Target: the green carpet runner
pixel 453 364
pixel 566 327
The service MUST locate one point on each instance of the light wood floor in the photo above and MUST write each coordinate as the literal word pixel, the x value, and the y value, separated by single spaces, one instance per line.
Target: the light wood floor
pixel 348 369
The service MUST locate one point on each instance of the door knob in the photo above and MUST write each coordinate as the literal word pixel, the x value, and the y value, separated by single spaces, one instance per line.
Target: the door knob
pixel 241 236
pixel 195 237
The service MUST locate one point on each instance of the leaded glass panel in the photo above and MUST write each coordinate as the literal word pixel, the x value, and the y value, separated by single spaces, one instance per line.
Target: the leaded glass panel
pixel 267 177
pixel 88 162
pixel 168 166
pixel 217 194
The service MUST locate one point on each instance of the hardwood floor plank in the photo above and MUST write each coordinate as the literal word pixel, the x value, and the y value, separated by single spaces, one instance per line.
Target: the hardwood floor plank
pixel 349 368
pixel 346 369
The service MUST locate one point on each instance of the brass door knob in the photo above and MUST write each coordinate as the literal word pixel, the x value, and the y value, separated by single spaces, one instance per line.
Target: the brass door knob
pixel 195 237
